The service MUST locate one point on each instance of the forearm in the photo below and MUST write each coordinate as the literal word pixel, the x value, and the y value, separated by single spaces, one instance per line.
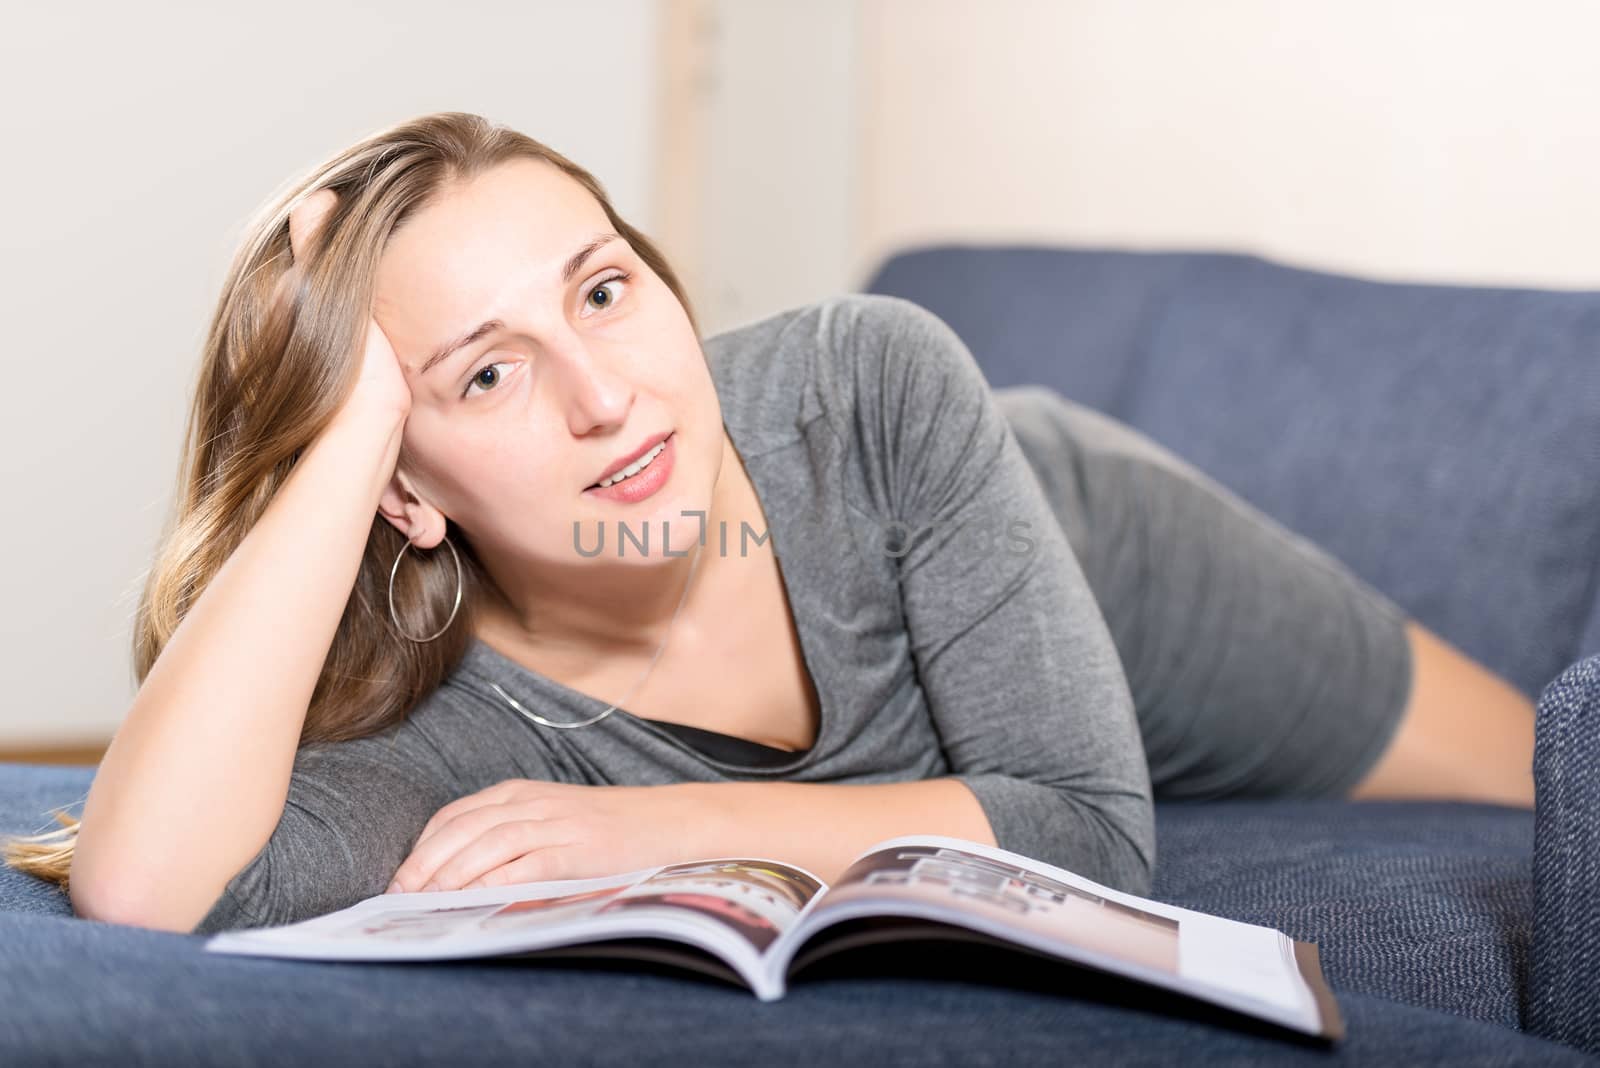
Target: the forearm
pixel 823 826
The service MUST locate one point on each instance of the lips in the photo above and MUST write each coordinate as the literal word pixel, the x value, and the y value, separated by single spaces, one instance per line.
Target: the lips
pixel 617 465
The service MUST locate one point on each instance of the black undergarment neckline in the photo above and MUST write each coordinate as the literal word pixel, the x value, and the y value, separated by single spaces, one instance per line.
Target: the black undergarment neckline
pixel 726 747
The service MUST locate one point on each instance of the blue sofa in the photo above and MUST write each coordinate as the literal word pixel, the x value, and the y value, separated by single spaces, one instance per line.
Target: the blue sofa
pixel 1438 439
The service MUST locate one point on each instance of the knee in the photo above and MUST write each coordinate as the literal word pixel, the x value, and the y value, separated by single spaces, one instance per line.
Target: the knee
pixel 1465 733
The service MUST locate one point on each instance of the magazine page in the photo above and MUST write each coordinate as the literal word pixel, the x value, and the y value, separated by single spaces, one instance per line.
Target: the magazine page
pixel 940 881
pixel 733 908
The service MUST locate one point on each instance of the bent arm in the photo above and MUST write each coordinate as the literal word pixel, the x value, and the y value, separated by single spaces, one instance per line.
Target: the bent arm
pixel 1022 678
pixel 195 777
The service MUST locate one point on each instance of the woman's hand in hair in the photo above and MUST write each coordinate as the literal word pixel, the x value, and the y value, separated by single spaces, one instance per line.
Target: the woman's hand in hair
pixel 381 387
pixel 527 830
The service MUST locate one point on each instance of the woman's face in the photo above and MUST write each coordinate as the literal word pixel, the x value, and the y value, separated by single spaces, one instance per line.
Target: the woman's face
pixel 592 357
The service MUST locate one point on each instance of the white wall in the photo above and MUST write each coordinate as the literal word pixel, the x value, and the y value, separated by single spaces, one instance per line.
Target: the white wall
pixel 762 128
pixel 1448 140
pixel 137 140
pixel 1436 140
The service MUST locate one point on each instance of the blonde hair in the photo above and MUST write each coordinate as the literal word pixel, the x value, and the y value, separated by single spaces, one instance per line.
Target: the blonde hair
pixel 272 374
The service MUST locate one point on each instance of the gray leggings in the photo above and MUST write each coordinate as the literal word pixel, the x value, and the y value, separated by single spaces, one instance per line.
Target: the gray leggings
pixel 1260 665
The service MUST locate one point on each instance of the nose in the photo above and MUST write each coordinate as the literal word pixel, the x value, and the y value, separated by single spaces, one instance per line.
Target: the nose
pixel 594 391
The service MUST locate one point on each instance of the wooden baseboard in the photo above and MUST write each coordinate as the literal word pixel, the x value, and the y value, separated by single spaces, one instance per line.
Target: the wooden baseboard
pixel 65 754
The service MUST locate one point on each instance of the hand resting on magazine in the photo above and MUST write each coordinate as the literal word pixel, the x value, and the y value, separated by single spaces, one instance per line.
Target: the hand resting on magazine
pixel 528 830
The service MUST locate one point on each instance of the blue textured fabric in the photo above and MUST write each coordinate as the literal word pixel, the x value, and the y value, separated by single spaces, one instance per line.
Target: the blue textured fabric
pixel 1440 440
pixel 1564 996
pixel 81 993
pixel 28 794
pixel 1420 913
pixel 1429 903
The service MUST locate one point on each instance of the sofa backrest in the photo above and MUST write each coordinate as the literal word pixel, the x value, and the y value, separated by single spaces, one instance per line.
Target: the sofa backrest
pixel 1441 440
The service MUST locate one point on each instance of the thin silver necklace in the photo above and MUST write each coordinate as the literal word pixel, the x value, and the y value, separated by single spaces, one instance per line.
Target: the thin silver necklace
pixel 536 718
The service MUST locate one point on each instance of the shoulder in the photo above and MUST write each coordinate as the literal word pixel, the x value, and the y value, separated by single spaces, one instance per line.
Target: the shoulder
pixel 828 358
pixel 422 746
pixel 842 324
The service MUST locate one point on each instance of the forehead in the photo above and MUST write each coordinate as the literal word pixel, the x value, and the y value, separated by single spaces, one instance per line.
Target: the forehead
pixel 512 226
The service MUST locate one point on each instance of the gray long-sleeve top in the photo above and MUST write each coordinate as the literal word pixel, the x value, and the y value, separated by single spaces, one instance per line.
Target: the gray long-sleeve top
pixel 943 616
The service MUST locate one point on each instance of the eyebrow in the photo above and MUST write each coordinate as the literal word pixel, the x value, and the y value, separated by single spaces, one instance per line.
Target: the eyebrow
pixel 488 326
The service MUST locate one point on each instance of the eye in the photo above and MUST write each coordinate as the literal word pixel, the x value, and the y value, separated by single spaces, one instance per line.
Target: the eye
pixel 476 379
pixel 620 276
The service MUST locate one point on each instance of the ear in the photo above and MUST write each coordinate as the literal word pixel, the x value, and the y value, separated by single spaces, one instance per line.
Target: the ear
pixel 410 513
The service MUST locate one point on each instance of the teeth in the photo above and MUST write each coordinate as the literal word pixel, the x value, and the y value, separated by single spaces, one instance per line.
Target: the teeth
pixel 634 468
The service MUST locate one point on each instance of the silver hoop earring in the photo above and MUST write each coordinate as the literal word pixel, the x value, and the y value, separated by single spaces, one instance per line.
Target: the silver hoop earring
pixel 453 609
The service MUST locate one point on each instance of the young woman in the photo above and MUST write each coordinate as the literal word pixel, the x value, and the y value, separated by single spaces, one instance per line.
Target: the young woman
pixel 487 569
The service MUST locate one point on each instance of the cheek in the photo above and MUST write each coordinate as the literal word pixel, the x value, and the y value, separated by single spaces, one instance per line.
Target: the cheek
pixel 464 477
pixel 502 509
pixel 692 381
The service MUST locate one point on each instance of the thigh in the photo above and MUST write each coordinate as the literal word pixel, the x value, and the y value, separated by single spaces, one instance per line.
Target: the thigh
pixel 1260 665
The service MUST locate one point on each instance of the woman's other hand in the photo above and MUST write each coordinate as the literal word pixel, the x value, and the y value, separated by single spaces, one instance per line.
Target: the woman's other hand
pixel 526 830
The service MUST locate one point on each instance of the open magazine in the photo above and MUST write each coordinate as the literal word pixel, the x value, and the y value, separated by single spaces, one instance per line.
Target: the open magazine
pixel 757 922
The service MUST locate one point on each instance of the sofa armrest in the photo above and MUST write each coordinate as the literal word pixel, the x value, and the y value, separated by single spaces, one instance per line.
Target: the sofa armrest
pixel 1564 984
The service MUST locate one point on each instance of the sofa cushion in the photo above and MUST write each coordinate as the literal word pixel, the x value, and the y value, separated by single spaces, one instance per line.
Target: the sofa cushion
pixel 28 793
pixel 1440 440
pixel 1426 903
pixel 81 992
